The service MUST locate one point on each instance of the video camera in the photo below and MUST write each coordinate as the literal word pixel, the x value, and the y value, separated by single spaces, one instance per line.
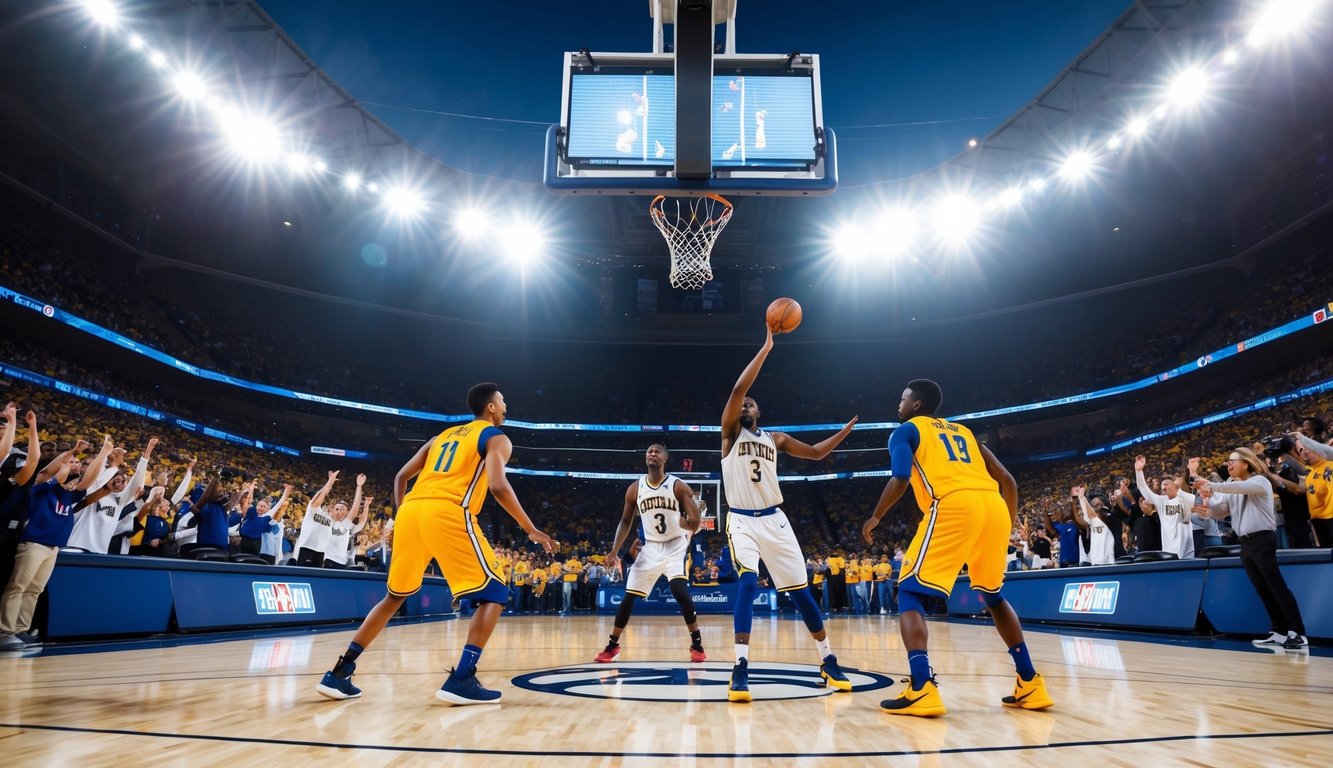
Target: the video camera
pixel 1277 445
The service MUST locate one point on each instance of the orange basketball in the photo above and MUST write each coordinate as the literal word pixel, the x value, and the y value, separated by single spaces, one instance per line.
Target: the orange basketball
pixel 783 315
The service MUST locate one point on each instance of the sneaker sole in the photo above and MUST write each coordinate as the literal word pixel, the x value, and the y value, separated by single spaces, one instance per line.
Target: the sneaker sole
pixel 837 685
pixel 739 697
pixel 334 693
pixel 1034 705
pixel 916 711
pixel 607 661
pixel 459 701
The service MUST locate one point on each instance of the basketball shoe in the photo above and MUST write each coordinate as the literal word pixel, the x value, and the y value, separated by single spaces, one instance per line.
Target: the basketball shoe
pixel 918 702
pixel 1029 694
pixel 465 690
pixel 697 654
pixel 739 690
pixel 830 674
pixel 1295 642
pixel 1273 639
pixel 608 654
pixel 339 688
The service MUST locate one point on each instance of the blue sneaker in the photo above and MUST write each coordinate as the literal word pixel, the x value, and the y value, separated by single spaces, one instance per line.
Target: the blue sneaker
pixel 465 690
pixel 831 674
pixel 739 690
pixel 338 688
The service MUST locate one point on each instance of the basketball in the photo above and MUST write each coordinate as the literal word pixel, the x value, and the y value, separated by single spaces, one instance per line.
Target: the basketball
pixel 783 315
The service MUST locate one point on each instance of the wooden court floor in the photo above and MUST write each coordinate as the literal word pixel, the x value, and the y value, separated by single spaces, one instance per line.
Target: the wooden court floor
pixel 1120 702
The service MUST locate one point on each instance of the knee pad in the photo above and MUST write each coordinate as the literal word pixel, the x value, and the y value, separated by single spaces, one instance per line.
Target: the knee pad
pixel 680 589
pixel 992 599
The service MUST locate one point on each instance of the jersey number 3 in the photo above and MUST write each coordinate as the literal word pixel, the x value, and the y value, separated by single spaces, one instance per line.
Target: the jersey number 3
pixel 661 523
pixel 962 454
pixel 755 474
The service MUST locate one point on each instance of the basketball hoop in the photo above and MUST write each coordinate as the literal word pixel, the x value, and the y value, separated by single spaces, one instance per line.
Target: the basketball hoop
pixel 690 226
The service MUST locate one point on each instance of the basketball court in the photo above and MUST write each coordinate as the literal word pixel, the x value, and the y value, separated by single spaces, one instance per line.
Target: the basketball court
pixel 1120 700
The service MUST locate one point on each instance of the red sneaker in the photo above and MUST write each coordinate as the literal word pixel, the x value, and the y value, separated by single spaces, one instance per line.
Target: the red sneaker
pixel 608 654
pixel 697 654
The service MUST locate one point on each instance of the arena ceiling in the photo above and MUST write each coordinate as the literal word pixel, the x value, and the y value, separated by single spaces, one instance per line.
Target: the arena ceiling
pixel 1202 190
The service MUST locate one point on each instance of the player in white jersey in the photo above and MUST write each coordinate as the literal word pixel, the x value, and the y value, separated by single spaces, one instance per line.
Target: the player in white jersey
pixel 758 530
pixel 666 507
pixel 1101 544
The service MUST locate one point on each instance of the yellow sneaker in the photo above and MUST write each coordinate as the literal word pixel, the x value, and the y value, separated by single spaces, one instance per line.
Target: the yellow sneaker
pixel 739 689
pixel 918 702
pixel 1029 694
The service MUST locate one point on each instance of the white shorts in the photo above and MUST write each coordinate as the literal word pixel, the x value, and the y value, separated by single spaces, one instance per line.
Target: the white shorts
pixel 657 558
pixel 771 539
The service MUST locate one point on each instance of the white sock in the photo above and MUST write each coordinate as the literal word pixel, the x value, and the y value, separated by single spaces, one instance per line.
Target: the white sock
pixel 742 652
pixel 824 650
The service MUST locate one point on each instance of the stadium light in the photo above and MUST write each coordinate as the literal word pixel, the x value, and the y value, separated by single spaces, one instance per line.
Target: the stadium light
pixel 136 43
pixel 1231 56
pixel 252 138
pixel 1037 185
pixel 352 181
pixel 1011 197
pixel 188 85
pixel 1188 87
pixel 894 232
pixel 1114 142
pixel 373 188
pixel 1137 127
pixel 301 164
pixel 157 59
pixel 1076 165
pixel 404 203
pixel 1280 17
pixel 954 218
pixel 971 143
pixel 103 12
pixel 319 166
pixel 470 222
pixel 522 242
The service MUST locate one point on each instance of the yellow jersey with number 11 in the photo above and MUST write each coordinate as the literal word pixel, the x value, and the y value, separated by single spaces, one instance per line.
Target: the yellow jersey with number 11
pixel 455 469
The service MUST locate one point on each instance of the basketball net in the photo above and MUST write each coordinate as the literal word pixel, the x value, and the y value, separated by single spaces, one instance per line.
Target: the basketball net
pixel 690 226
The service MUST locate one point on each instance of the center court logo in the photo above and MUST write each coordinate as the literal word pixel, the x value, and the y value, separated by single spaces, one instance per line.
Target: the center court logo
pixel 682 682
pixel 1090 597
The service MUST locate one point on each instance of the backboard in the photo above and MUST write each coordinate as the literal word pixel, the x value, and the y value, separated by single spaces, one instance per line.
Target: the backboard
pixel 691 122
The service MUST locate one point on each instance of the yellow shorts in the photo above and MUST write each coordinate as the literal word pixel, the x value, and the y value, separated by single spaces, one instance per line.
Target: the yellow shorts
pixel 427 529
pixel 966 527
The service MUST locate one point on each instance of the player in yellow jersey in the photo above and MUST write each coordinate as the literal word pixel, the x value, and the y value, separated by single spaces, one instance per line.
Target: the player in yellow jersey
pixel 969 503
pixel 437 520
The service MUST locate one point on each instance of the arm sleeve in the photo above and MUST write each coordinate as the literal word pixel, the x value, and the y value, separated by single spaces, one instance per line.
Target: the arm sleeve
pixel 136 484
pixel 902 450
pixel 182 488
pixel 1254 486
pixel 1142 483
pixel 1316 447
pixel 484 437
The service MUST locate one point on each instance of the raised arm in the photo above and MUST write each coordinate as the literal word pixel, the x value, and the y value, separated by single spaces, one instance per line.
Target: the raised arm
pixel 356 498
pixel 137 482
pixel 184 487
pixel 793 447
pixel 731 412
pixel 318 499
pixel 96 467
pixel 1080 494
pixel 59 466
pixel 1140 463
pixel 1314 446
pixel 11 416
pixel 498 450
pixel 1251 486
pixel 29 467
pixel 276 511
pixel 624 526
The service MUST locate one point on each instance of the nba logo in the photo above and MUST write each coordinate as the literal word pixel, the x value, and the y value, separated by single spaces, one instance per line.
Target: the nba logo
pixel 281 597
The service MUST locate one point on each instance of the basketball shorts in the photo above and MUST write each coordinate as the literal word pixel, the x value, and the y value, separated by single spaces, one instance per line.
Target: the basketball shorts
pixel 965 527
pixel 657 558
pixel 427 529
pixel 771 539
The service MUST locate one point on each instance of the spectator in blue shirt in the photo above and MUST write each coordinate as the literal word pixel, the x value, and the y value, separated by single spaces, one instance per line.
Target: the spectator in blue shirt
pixel 50 522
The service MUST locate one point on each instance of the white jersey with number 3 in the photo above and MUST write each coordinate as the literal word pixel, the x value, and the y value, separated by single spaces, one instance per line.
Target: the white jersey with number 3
pixel 750 472
pixel 658 510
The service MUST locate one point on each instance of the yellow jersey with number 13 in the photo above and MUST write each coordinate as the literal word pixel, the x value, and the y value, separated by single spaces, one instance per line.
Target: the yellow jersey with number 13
pixel 946 459
pixel 455 469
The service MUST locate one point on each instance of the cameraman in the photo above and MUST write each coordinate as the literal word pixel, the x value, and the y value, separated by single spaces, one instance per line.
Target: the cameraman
pixel 1285 472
